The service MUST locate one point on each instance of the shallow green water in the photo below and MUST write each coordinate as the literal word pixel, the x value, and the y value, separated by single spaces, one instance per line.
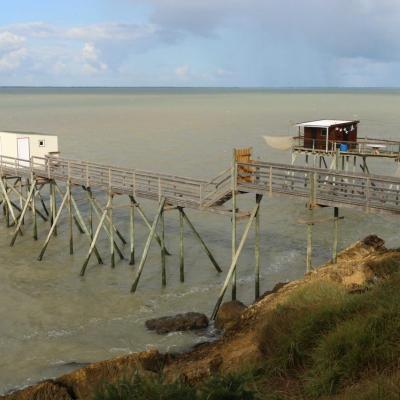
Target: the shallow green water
pixel 51 317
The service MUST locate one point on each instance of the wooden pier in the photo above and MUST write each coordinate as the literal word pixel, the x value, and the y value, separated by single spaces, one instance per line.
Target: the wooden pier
pixel 23 183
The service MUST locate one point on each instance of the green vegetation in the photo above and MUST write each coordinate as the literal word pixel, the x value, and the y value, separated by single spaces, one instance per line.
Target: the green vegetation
pixel 228 387
pixel 323 343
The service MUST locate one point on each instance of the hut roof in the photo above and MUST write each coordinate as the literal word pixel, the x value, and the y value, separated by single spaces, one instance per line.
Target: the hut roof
pixel 28 133
pixel 326 123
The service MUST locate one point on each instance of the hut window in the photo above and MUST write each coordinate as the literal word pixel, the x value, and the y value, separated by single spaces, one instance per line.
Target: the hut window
pixel 41 143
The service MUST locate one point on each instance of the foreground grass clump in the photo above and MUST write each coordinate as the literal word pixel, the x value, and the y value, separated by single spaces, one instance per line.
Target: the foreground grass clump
pixel 329 339
pixel 146 388
pixel 322 343
pixel 228 387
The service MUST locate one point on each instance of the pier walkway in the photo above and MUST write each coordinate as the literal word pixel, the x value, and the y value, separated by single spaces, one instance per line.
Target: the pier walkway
pixel 370 193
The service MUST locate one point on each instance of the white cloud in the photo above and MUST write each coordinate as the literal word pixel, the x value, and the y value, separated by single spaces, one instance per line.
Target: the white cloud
pixel 12 59
pixel 92 60
pixel 35 29
pixel 182 71
pixel 111 31
pixel 10 41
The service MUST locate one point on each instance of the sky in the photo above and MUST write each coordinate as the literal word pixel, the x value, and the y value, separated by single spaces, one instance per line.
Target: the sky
pixel 240 43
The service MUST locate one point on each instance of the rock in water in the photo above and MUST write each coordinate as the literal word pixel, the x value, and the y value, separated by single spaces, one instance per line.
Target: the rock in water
pixel 374 241
pixel 180 322
pixel 228 314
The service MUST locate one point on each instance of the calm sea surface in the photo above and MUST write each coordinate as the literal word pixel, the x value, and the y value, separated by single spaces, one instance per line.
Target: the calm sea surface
pixel 51 320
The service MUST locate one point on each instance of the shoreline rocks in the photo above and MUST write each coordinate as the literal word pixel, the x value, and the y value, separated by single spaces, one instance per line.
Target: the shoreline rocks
pixel 180 322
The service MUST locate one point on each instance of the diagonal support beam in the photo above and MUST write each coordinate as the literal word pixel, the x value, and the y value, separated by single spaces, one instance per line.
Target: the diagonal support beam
pixel 119 234
pixel 232 267
pixel 77 223
pixel 105 227
pixel 53 227
pixel 21 218
pixel 147 246
pixel 96 235
pixel 8 202
pixel 203 244
pixel 85 229
pixel 146 221
pixel 23 199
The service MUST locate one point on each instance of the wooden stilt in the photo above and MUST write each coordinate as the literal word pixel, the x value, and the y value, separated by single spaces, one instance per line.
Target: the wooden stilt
pixel 147 246
pixel 163 266
pixel 335 233
pixel 257 250
pixel 19 208
pixel 119 234
pixel 35 229
pixel 105 227
pixel 309 247
pixel 201 241
pixel 42 202
pixel 234 179
pixel 70 219
pixel 132 233
pixel 21 218
pixel 96 235
pixel 147 223
pixel 53 202
pixel 234 260
pixel 181 247
pixel 9 209
pixel 110 218
pixel 7 206
pixel 86 230
pixel 57 217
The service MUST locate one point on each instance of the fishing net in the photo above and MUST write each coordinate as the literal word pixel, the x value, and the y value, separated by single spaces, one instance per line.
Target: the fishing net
pixel 279 142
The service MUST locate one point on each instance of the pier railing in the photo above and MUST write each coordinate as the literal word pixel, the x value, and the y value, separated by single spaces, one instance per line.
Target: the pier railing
pixel 362 146
pixel 177 190
pixel 323 187
pixel 319 186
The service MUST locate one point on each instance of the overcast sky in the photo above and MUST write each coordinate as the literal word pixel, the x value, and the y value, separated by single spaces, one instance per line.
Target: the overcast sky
pixel 270 43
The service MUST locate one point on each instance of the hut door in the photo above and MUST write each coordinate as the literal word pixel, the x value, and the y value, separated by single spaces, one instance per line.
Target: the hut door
pixel 23 151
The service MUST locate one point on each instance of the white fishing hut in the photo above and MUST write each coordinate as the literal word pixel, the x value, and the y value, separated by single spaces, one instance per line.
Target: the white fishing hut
pixel 24 145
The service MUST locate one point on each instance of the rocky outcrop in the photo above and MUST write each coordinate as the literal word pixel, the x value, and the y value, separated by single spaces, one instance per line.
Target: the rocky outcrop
pixel 229 314
pixel 180 322
pixel 84 382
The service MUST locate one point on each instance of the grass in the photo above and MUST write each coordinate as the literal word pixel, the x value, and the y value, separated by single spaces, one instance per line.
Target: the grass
pixel 227 387
pixel 323 343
